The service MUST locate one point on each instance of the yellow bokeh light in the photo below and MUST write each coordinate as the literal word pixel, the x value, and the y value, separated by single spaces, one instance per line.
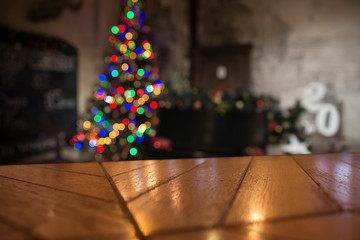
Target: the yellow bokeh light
pixel 129 99
pixel 133 55
pixel 157 91
pixel 123 48
pixel 239 104
pixel 278 128
pixel 124 66
pixel 147 46
pixel 148 124
pixel 107 141
pixel 120 100
pixel 86 125
pixel 142 128
pixel 101 141
pixel 141 101
pixel 112 135
pixel 121 126
pixel 145 97
pixel 131 126
pixel 130 77
pixel 131 44
pixel 129 36
pixel 147 54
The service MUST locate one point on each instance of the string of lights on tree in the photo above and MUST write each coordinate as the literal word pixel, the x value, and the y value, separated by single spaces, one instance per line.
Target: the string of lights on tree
pixel 119 124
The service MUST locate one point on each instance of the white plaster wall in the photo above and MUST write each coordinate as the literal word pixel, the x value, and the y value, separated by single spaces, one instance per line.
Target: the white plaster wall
pixel 298 42
pixel 87 29
pixel 295 42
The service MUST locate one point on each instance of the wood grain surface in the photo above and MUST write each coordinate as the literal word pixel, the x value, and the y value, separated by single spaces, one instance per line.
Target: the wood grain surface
pixel 262 197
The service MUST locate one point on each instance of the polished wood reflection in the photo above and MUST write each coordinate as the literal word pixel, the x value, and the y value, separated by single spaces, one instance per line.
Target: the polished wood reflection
pixel 270 197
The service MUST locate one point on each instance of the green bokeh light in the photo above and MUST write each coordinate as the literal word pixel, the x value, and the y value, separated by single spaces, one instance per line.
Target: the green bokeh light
pixel 148 131
pixel 140 110
pixel 130 15
pixel 140 72
pixel 133 151
pixel 115 30
pixel 130 139
pixel 97 118
pixel 132 93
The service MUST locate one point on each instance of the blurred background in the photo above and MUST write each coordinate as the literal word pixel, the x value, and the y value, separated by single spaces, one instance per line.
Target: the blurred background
pixel 213 55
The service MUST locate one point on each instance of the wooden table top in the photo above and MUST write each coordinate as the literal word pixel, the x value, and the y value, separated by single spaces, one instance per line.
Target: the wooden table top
pixel 270 197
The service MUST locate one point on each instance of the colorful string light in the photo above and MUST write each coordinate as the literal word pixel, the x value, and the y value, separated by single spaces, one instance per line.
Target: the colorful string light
pixel 124 100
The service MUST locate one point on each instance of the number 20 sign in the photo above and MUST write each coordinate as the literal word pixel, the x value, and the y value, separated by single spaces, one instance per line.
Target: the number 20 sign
pixel 327 119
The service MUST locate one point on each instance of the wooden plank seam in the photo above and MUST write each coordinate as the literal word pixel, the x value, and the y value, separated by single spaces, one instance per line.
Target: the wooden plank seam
pixel 58 189
pixel 328 194
pixel 144 166
pixel 62 170
pixel 123 204
pixel 350 164
pixel 232 198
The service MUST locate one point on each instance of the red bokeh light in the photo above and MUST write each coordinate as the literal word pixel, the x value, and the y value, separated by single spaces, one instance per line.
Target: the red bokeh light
pixel 100 149
pixel 153 105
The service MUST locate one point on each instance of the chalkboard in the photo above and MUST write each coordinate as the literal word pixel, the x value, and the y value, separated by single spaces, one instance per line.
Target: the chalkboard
pixel 37 93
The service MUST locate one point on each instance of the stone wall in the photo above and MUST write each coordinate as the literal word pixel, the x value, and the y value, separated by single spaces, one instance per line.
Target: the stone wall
pixel 294 43
pixel 170 36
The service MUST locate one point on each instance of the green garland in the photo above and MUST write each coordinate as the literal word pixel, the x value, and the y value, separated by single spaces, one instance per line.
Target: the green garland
pixel 281 124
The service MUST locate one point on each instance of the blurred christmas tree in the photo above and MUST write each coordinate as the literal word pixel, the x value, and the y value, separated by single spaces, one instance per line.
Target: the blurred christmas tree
pixel 119 125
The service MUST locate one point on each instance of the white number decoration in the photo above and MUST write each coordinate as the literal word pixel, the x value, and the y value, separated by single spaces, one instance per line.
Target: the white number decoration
pixel 313 94
pixel 327 120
